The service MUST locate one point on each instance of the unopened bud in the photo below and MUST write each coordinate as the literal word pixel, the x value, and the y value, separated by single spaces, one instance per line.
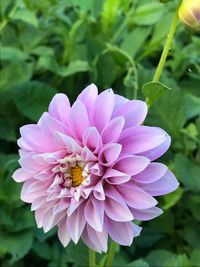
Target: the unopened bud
pixel 189 13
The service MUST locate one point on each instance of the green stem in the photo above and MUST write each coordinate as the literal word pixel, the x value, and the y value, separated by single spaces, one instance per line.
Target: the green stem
pixel 167 46
pixel 111 254
pixel 92 258
pixel 124 23
pixel 5 20
pixel 136 87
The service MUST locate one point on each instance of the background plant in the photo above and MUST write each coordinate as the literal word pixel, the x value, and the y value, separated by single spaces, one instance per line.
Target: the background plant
pixel 54 46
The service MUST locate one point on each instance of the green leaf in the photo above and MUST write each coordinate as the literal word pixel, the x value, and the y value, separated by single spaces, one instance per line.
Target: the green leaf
pixel 32 98
pixel 49 63
pixel 153 90
pixel 60 256
pixel 20 71
pixel 119 54
pixel 165 1
pixel 7 130
pixel 12 54
pixel 191 106
pixel 188 172
pixel 43 51
pixel 172 198
pixel 75 67
pixel 42 249
pixel 109 13
pixel 130 46
pixel 22 219
pixel 191 234
pixel 81 249
pixel 192 203
pixel 163 258
pixel 147 14
pixel 41 236
pixel 107 69
pixel 27 16
pixel 164 223
pixel 195 257
pixel 17 244
pixel 4 6
pixel 167 112
pixel 138 263
pixel 148 237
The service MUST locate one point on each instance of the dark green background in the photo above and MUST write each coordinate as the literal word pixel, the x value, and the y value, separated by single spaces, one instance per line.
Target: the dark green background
pixel 51 46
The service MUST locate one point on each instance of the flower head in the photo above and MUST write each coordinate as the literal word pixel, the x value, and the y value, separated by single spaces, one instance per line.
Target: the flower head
pixel 189 13
pixel 88 168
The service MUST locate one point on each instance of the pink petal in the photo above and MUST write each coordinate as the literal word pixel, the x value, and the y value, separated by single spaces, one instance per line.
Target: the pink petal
pixel 30 196
pixel 38 203
pixel 136 230
pixel 78 119
pixel 112 192
pixel 134 112
pixel 131 165
pixel 165 185
pixel 136 197
pixel 92 139
pixel 141 139
pixel 112 130
pixel 20 175
pixel 67 142
pixel 50 125
pixel 117 211
pixel 74 205
pixel 63 233
pixel 94 214
pixel 146 214
pixel 50 158
pixel 120 232
pixel 97 169
pixel 113 176
pixel 59 108
pixel 30 165
pixel 119 102
pixel 103 109
pixel 87 155
pixel 49 221
pixel 39 213
pixel 89 243
pixel 98 191
pixel 109 154
pixel 158 151
pixel 99 239
pixel 88 98
pixel 76 223
pixel 152 173
pixel 62 205
pixel 34 138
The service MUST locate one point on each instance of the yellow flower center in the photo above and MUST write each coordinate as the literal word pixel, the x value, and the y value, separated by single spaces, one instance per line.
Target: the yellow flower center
pixel 76 175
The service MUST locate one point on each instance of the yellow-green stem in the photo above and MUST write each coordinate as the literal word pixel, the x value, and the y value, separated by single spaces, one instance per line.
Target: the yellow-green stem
pixel 92 258
pixel 111 254
pixel 167 46
pixel 5 20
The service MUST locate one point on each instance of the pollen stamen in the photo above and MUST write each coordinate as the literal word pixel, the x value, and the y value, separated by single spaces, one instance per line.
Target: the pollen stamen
pixel 76 175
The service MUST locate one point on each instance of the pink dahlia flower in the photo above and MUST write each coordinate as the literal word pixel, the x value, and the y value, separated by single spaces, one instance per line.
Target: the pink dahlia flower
pixel 88 168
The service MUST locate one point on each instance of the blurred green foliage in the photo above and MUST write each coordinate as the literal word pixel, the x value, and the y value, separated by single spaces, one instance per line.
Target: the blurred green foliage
pixel 58 45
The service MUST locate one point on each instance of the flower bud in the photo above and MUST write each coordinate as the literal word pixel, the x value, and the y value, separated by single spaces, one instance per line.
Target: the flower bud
pixel 189 13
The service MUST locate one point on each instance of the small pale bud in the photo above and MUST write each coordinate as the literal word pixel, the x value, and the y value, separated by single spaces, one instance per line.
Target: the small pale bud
pixel 189 13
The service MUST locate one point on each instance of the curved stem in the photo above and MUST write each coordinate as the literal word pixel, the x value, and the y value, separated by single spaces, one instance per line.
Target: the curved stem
pixel 92 258
pixel 111 254
pixel 167 46
pixel 124 23
pixel 5 21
